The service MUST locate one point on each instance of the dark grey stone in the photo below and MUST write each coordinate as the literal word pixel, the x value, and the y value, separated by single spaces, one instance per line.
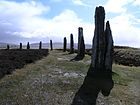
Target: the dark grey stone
pixel 81 45
pixel 51 44
pixel 20 46
pixel 28 45
pixel 99 76
pixel 71 44
pixel 40 45
pixel 65 45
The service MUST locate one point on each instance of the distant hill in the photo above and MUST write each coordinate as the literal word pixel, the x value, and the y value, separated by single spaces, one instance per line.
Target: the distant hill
pixel 57 45
pixel 4 45
pixel 46 45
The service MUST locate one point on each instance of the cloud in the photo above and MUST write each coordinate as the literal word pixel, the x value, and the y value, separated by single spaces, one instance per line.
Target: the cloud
pixel 56 0
pixel 67 22
pixel 67 15
pixel 25 22
pixel 136 2
pixel 124 32
pixel 18 17
pixel 117 6
pixel 124 23
pixel 80 2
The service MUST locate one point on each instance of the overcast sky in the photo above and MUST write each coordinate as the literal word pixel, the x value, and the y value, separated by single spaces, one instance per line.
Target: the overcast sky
pixel 35 20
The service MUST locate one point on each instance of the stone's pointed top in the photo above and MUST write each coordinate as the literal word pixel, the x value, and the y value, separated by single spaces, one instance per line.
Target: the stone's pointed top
pixel 100 12
pixel 101 8
pixel 80 28
pixel 107 24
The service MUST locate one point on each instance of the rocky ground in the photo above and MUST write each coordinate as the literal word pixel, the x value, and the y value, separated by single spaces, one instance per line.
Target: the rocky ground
pixel 55 79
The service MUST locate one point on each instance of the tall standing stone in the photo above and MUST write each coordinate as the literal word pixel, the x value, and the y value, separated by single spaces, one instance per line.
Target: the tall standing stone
pixel 20 46
pixel 80 33
pixel 8 47
pixel 98 47
pixel 81 50
pixel 99 76
pixel 28 45
pixel 51 44
pixel 102 48
pixel 81 45
pixel 109 48
pixel 71 44
pixel 65 45
pixel 40 45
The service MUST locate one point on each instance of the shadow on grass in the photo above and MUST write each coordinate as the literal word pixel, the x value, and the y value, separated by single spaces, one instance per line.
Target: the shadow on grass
pixel 96 81
pixel 78 58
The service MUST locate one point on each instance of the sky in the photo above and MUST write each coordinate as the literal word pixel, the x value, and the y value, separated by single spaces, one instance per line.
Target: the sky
pixel 43 20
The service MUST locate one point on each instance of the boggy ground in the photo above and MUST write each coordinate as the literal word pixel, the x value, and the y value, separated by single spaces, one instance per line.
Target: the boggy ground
pixel 55 79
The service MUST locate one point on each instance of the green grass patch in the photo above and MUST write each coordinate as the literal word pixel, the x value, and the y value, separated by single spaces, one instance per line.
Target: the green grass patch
pixel 123 75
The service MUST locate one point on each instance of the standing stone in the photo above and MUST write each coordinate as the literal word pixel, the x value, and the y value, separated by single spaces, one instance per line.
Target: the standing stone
pixel 102 48
pixel 109 48
pixel 99 76
pixel 80 33
pixel 65 45
pixel 71 44
pixel 98 47
pixel 8 47
pixel 51 45
pixel 40 45
pixel 28 45
pixel 81 51
pixel 81 45
pixel 20 46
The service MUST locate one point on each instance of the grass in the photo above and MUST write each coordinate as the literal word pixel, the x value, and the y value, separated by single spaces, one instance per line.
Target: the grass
pixel 55 79
pixel 119 75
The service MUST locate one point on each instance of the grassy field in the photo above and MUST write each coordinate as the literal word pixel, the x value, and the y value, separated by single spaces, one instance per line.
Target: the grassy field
pixel 55 79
